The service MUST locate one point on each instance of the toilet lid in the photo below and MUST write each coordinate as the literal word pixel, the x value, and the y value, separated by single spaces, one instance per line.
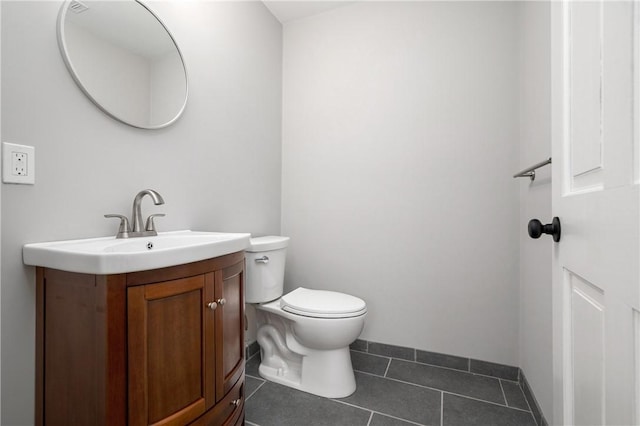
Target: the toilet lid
pixel 322 304
pixel 267 243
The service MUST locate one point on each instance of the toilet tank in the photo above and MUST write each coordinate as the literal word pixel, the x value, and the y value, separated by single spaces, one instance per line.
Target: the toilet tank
pixel 265 268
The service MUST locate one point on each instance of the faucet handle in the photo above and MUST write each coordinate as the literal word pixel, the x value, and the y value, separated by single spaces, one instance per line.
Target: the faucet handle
pixel 123 230
pixel 150 225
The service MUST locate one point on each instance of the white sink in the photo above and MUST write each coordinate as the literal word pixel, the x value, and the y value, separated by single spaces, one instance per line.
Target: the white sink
pixel 109 255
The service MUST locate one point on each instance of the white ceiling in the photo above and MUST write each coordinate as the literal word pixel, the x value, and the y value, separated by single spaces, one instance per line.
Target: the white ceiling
pixel 290 10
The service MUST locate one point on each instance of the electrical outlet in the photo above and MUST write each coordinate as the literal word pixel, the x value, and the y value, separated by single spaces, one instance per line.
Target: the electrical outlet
pixel 18 163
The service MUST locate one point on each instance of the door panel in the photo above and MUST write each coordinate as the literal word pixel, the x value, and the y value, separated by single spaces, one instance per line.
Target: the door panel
pixel 596 287
pixel 230 327
pixel 587 349
pixel 585 62
pixel 174 368
pixel 166 326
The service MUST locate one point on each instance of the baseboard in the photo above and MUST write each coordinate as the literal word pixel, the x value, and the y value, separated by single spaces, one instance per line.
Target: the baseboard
pixel 531 400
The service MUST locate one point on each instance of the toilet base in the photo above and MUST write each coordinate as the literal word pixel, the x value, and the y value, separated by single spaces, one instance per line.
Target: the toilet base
pixel 326 373
pixel 310 354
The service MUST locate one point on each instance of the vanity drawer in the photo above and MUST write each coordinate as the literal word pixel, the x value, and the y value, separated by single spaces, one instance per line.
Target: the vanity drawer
pixel 229 411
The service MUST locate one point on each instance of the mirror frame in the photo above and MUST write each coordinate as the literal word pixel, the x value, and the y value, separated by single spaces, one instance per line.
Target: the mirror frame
pixel 67 60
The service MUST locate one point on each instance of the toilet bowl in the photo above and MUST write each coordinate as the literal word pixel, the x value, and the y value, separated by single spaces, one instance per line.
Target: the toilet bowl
pixel 304 335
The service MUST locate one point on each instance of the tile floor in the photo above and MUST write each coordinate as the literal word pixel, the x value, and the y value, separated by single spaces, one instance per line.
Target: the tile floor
pixel 391 392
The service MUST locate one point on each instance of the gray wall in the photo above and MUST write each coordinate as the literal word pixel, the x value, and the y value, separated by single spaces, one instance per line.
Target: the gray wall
pixel 535 202
pixel 0 217
pixel 218 167
pixel 400 125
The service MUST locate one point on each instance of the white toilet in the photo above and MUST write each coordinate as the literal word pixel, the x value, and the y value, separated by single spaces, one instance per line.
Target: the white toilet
pixel 304 336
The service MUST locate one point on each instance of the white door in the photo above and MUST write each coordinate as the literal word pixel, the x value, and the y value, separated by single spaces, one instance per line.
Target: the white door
pixel 596 289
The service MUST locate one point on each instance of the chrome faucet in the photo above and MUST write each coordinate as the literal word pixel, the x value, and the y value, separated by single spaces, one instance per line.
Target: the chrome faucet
pixel 136 230
pixel 136 214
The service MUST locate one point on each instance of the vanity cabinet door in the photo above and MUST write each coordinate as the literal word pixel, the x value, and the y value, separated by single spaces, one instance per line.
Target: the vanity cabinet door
pixel 171 351
pixel 229 347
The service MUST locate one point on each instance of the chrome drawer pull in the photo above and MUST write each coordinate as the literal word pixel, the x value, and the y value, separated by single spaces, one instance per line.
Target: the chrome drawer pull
pixel 236 402
pixel 212 305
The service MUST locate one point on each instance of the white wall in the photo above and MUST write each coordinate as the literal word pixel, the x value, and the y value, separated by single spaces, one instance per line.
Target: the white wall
pixel 535 202
pixel 0 215
pixel 400 134
pixel 218 167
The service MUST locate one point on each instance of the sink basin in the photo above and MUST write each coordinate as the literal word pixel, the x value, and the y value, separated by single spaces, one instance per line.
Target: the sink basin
pixel 109 255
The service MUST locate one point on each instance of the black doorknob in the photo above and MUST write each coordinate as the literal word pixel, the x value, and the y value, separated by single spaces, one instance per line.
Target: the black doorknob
pixel 536 228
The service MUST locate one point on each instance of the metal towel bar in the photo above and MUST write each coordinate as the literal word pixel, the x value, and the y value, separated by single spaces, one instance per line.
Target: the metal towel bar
pixel 531 171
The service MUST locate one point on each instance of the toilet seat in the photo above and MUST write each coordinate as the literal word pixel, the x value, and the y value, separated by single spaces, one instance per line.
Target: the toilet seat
pixel 322 304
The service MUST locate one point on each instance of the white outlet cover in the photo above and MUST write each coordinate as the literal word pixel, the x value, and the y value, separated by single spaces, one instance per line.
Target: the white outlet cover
pixel 7 153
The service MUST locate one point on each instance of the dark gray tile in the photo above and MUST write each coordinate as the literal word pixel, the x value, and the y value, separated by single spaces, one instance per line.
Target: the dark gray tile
pixel 252 349
pixel 401 400
pixel 277 405
pixel 458 410
pixel 392 351
pixel 250 385
pixel 382 420
pixel 533 404
pixel 443 360
pixel 368 363
pixel 485 388
pixel 359 345
pixel 514 395
pixel 495 370
pixel 251 366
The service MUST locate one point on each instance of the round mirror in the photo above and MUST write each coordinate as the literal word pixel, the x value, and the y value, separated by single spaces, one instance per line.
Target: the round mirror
pixel 125 60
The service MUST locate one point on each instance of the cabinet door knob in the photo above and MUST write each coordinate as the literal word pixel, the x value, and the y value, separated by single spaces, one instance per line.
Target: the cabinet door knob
pixel 221 302
pixel 236 402
pixel 212 305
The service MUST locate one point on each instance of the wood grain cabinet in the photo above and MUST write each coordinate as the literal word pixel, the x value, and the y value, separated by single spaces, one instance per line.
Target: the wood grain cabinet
pixel 160 347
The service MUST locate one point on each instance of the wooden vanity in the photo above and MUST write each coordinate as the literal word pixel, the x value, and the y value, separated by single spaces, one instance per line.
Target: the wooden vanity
pixel 158 347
